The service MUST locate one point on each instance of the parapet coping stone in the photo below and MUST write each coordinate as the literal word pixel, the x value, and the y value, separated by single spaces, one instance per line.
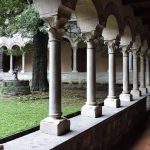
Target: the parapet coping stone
pixel 79 124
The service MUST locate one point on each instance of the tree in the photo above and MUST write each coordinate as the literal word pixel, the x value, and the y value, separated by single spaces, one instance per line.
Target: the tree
pixel 24 20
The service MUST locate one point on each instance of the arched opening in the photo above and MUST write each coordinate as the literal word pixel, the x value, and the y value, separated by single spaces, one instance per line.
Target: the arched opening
pixel 17 56
pixel 82 57
pixel 109 33
pixel 5 60
pixel 28 50
pixel 125 40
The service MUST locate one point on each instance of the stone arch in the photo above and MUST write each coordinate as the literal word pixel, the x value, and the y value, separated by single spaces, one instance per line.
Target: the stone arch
pixel 111 30
pixel 4 45
pixel 127 35
pixel 128 22
pixel 86 20
pixel 15 44
pixel 112 9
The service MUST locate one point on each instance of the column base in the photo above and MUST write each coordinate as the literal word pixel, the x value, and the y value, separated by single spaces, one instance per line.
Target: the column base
pixel 112 102
pixel 143 90
pixel 10 71
pixel 91 111
pixel 74 71
pixel 22 71
pixel 125 97
pixel 55 126
pixel 135 93
pixel 1 147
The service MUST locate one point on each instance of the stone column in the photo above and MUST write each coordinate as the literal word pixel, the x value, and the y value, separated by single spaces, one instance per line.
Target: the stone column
pixel 135 92
pixel 75 59
pixel 125 96
pixel 23 63
pixel 130 62
pixel 148 73
pixel 142 88
pixel 55 124
pixel 1 61
pixel 91 109
pixel 11 64
pixel 112 100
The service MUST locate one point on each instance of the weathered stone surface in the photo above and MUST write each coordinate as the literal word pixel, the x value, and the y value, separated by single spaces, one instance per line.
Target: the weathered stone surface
pixel 14 87
pixel 125 97
pixel 112 102
pixel 143 90
pixel 91 111
pixel 55 126
pixel 89 133
pixel 135 93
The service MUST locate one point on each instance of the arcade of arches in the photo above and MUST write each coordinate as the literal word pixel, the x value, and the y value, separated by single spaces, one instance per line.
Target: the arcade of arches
pixel 99 36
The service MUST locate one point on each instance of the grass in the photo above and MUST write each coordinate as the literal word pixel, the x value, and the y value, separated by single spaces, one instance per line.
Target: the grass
pixel 18 115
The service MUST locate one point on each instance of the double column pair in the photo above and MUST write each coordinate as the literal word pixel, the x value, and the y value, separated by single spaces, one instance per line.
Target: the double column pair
pixel 55 123
pixel 112 100
pixel 23 63
pixel 137 92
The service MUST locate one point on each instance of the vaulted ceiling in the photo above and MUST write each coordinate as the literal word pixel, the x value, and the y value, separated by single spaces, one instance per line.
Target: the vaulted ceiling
pixel 141 9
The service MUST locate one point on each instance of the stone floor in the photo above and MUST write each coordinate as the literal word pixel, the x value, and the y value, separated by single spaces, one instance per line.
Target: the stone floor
pixel 143 142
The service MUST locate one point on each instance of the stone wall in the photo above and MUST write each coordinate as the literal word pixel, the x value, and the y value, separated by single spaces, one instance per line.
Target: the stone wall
pixel 110 132
pixel 14 87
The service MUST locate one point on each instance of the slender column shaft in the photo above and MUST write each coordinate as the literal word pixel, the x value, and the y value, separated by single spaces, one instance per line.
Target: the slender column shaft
pixel 75 59
pixel 147 72
pixel 142 71
pixel 91 74
pixel 125 74
pixel 11 64
pixel 130 62
pixel 23 63
pixel 55 77
pixel 112 100
pixel 135 72
pixel 112 73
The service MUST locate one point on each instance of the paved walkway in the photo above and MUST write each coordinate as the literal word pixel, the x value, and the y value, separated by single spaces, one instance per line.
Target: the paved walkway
pixel 143 143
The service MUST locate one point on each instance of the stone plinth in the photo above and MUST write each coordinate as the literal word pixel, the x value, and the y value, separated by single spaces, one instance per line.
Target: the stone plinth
pixel 54 126
pixel 112 102
pixel 125 97
pixel 91 111
pixel 14 87
pixel 135 93
pixel 143 90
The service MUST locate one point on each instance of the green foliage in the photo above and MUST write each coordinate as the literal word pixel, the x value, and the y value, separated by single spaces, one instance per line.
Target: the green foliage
pixel 8 10
pixel 22 19
pixel 18 115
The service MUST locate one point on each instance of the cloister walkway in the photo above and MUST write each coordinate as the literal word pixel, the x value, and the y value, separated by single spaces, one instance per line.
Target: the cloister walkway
pixel 143 143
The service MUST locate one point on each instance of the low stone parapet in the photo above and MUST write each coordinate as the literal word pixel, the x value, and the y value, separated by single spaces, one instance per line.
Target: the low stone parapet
pixel 14 87
pixel 86 133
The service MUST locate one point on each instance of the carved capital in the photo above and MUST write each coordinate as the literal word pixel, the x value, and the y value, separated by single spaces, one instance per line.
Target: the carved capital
pixel 55 34
pixel 125 51
pixel 112 47
pixel 88 36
